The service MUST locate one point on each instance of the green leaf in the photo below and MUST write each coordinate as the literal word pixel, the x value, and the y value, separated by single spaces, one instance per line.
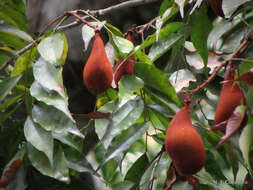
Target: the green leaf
pixel 124 144
pixel 164 6
pixel 159 138
pixel 213 168
pixel 24 62
pixel 51 119
pixel 146 177
pixel 162 46
pixel 127 86
pixel 50 98
pixel 137 169
pixel 39 138
pixel 15 31
pixel 233 159
pixel 6 86
pixel 181 79
pixel 162 114
pixel 246 141
pixel 131 83
pixel 9 102
pixel 7 115
pixel 109 169
pixel 125 116
pixel 11 40
pixel 200 32
pixel 123 185
pixel 54 49
pixel 68 140
pixel 124 45
pixel 59 170
pixel 115 30
pixel 88 32
pixel 48 76
pixel 165 31
pixel 13 17
pixel 156 79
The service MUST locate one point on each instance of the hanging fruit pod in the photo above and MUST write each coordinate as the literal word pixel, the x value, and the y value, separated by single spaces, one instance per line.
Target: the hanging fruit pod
pixel 231 96
pixel 98 72
pixel 184 145
pixel 126 67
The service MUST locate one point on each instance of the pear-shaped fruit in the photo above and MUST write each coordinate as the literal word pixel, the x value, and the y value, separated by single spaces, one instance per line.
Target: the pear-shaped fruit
pixel 184 144
pixel 98 72
pixel 126 68
pixel 231 96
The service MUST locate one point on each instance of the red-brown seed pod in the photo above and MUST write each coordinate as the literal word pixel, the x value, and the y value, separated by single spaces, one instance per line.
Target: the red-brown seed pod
pixel 98 72
pixel 231 96
pixel 184 145
pixel 126 68
pixel 9 173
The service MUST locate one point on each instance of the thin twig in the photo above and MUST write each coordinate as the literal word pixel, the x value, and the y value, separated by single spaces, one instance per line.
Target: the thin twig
pixel 240 50
pixel 103 12
pixel 74 13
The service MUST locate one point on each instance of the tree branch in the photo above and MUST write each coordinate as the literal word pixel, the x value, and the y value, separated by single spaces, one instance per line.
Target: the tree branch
pixel 105 11
pixel 124 5
pixel 240 50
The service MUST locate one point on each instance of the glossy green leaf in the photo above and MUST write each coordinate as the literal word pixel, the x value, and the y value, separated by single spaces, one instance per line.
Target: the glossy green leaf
pixel 200 32
pixel 13 17
pixel 59 170
pixel 137 169
pixel 164 6
pixel 24 62
pixel 51 119
pixel 128 140
pixel 50 98
pixel 8 114
pixel 233 157
pixel 109 169
pixel 213 168
pixel 54 48
pixel 15 31
pixel 88 32
pixel 11 40
pixel 10 101
pixel 165 31
pixel 181 79
pixel 131 83
pixel 39 138
pixel 246 141
pixel 123 185
pixel 125 116
pixel 128 85
pixel 124 45
pixel 67 139
pixel 146 177
pixel 156 79
pixel 48 76
pixel 115 30
pixel 162 46
pixel 6 86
